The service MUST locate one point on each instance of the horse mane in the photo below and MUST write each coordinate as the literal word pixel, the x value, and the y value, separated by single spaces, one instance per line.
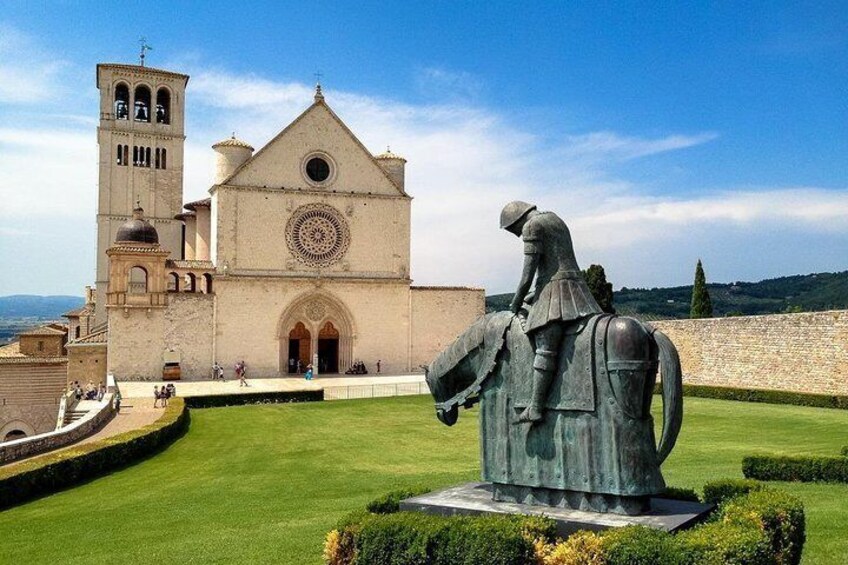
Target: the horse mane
pixel 488 327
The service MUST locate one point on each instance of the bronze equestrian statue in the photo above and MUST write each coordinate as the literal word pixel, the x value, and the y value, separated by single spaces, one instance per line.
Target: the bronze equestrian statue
pixel 565 390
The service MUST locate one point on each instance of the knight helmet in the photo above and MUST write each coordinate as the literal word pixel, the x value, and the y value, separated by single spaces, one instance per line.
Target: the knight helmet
pixel 514 211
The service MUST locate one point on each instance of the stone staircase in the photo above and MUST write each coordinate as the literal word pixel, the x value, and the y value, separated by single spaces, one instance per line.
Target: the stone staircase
pixel 82 408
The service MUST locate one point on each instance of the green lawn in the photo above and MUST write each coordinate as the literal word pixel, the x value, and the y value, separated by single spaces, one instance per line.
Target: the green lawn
pixel 259 484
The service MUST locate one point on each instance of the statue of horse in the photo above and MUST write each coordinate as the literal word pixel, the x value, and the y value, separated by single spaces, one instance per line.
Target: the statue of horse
pixel 595 449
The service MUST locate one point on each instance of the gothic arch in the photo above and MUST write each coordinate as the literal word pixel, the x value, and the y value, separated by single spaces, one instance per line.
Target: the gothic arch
pixel 314 309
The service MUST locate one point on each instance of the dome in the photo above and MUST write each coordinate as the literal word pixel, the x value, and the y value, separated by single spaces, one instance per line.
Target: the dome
pixel 233 142
pixel 389 155
pixel 137 230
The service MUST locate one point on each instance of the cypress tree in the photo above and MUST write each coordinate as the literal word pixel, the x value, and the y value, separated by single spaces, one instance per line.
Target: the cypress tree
pixel 596 279
pixel 702 306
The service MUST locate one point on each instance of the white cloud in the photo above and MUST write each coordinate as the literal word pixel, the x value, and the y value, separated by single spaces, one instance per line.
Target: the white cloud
pixel 28 74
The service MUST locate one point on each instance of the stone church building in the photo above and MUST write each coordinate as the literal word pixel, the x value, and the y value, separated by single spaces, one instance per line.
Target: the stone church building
pixel 300 253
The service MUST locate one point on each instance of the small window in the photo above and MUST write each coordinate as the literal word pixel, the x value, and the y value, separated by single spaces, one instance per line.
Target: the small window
pixel 318 169
pixel 41 346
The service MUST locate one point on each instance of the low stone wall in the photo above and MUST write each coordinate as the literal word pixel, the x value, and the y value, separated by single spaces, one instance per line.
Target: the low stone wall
pixel 795 352
pixel 26 447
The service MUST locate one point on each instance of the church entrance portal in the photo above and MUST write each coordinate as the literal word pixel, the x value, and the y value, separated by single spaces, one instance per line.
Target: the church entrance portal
pixel 300 348
pixel 328 349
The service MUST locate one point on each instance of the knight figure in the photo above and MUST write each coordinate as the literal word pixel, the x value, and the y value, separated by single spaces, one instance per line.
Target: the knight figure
pixel 560 298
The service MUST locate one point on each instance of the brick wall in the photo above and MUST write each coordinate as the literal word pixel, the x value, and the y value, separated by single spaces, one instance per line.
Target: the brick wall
pixel 797 352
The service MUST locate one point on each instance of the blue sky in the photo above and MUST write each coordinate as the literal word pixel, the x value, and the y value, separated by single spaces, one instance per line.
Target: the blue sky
pixel 661 134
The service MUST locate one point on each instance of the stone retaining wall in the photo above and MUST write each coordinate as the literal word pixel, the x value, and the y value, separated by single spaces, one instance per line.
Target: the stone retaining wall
pixel 41 443
pixel 796 352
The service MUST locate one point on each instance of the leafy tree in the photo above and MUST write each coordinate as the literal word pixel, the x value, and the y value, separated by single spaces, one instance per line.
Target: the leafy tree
pixel 702 306
pixel 596 279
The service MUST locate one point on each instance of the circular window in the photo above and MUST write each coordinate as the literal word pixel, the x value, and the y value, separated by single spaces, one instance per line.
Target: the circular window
pixel 317 235
pixel 317 169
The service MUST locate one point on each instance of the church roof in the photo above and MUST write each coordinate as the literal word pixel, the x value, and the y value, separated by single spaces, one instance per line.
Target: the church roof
pixel 387 154
pixel 184 215
pixel 94 338
pixel 43 331
pixel 193 206
pixel 233 142
pixel 319 102
pixel 77 312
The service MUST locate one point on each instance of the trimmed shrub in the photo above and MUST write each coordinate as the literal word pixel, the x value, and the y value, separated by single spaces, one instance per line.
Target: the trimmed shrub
pixel 778 514
pixel 845 451
pixel 807 469
pixel 674 493
pixel 716 492
pixel 55 471
pixel 763 396
pixel 634 545
pixel 390 502
pixel 718 543
pixel 271 397
pixel 754 526
pixel 407 538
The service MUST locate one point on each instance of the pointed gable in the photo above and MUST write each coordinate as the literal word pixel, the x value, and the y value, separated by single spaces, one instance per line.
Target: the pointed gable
pixel 316 132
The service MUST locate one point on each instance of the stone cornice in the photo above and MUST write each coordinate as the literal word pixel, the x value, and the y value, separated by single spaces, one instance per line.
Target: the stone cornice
pixel 308 191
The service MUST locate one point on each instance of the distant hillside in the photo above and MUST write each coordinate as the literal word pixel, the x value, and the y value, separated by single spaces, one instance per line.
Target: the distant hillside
pixel 44 307
pixel 798 293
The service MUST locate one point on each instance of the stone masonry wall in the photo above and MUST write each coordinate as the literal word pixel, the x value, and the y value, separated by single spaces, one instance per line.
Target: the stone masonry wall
pixel 796 352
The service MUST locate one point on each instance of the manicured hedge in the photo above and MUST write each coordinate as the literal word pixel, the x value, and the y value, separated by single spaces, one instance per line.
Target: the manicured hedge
pixel 390 502
pixel 807 469
pixel 764 396
pixel 674 493
pixel 845 451
pixel 55 471
pixel 270 397
pixel 716 492
pixel 754 525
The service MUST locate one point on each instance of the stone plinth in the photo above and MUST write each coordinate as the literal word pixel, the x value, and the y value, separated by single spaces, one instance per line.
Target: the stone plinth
pixel 476 498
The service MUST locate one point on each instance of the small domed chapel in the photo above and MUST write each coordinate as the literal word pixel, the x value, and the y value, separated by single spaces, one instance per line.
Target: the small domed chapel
pixel 300 254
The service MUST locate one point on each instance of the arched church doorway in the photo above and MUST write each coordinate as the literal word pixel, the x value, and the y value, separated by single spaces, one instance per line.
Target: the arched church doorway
pixel 300 348
pixel 324 330
pixel 328 349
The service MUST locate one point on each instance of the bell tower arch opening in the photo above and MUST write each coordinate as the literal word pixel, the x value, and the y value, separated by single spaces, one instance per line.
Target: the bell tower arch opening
pixel 324 323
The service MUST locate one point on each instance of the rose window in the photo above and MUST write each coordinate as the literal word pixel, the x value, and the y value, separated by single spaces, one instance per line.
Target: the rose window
pixel 317 235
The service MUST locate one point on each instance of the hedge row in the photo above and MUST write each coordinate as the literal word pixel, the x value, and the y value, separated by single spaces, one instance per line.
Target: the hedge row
pixel 764 396
pixel 807 469
pixel 54 471
pixel 754 525
pixel 271 397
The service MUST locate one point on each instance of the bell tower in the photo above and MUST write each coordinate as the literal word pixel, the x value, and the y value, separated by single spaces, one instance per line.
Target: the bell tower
pixel 141 137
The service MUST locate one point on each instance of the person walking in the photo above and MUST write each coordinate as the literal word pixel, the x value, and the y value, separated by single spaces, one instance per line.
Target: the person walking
pixel 157 396
pixel 308 372
pixel 242 371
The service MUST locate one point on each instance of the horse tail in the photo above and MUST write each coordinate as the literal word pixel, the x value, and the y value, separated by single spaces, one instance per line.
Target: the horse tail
pixel 672 394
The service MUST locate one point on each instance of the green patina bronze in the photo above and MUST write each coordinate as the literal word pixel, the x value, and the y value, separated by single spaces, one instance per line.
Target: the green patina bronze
pixel 565 390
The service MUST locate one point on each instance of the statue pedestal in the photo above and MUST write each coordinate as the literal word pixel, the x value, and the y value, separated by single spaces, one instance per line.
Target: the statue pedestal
pixel 476 498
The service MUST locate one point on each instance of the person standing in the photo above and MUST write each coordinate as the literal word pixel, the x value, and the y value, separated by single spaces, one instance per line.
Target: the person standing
pixel 157 396
pixel 379 364
pixel 309 372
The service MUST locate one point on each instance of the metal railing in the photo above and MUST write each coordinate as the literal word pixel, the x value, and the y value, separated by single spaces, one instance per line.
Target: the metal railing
pixel 352 392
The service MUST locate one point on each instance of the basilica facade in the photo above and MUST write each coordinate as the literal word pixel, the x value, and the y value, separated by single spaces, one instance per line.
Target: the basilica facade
pixel 300 255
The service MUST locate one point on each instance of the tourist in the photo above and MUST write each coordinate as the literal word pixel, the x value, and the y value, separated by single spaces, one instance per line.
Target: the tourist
pixel 217 372
pixel 242 370
pixel 101 392
pixel 164 394
pixel 157 395
pixel 116 401
pixel 172 390
pixel 77 391
pixel 308 372
pixel 379 362
pixel 291 365
pixel 299 366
